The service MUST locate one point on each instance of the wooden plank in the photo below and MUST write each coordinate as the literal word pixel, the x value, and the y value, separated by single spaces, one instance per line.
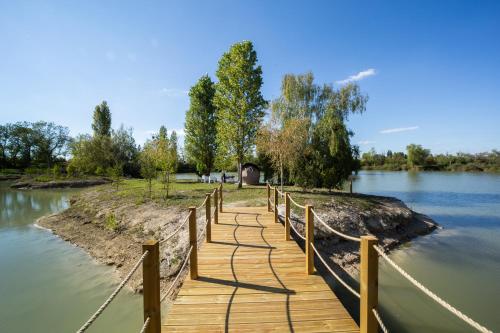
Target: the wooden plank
pixel 251 279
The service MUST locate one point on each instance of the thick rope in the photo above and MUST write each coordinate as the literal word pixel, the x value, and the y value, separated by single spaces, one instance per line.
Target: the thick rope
pixel 178 274
pixel 355 239
pixel 280 193
pixel 429 293
pixel 272 203
pixel 202 204
pixel 380 322
pixel 295 230
pixel 348 287
pixel 113 295
pixel 295 203
pixel 145 326
pixel 177 230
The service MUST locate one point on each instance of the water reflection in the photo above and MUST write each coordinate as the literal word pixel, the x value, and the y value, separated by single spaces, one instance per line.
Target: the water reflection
pixel 47 284
pixel 459 262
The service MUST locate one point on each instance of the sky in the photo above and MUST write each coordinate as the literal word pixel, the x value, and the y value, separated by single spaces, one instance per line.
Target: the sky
pixel 431 69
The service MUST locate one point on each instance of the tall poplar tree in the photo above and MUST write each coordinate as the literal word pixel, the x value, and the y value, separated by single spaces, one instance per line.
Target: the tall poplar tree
pixel 239 102
pixel 200 126
pixel 102 120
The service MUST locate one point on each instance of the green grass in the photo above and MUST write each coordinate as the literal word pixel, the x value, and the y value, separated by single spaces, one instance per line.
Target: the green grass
pixel 185 194
pixel 111 222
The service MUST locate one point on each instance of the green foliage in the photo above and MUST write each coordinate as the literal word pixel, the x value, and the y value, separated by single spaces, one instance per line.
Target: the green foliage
pixel 327 157
pixel 200 140
pixel 488 161
pixel 111 223
pixel 94 155
pixel 116 173
pixel 147 159
pixel 417 155
pixel 26 144
pixel 102 120
pixel 239 102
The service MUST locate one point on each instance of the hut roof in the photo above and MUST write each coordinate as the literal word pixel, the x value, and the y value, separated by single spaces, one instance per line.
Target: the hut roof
pixel 246 165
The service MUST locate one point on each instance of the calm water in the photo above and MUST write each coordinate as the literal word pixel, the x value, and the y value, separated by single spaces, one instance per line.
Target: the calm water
pixel 46 284
pixel 460 263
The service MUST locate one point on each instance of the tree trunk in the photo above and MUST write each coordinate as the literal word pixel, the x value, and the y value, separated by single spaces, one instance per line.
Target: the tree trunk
pixel 240 180
pixel 281 176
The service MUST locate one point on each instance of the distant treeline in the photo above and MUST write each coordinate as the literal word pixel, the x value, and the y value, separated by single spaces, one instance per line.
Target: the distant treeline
pixel 419 158
pixel 25 144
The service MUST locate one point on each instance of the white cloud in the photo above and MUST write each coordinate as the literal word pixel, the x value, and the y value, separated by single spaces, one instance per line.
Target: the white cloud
pixel 399 129
pixel 359 76
pixel 172 92
pixel 365 142
pixel 110 55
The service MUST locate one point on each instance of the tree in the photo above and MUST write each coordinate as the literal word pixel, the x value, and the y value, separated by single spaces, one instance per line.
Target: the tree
pixel 200 127
pixel 124 151
pixel 417 155
pixel 328 157
pixel 166 156
pixel 50 140
pixel 102 120
pixel 282 142
pixel 239 102
pixel 148 163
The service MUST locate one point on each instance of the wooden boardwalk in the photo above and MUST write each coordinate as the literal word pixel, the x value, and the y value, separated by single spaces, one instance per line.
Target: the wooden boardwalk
pixel 251 280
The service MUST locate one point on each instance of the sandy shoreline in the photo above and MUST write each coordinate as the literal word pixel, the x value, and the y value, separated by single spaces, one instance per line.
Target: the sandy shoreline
pixel 86 224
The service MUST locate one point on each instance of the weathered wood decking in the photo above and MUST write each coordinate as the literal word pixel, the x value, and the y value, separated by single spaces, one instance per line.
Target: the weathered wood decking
pixel 251 279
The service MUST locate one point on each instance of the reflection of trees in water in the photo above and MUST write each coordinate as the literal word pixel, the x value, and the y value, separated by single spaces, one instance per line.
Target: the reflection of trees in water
pixel 24 207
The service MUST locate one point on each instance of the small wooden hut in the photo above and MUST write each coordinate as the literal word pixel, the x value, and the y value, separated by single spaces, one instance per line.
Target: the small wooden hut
pixel 250 174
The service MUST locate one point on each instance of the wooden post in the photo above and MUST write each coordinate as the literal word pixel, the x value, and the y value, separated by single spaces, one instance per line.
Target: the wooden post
pixel 276 220
pixel 220 198
pixel 151 286
pixel 208 216
pixel 287 216
pixel 309 240
pixel 268 197
pixel 216 209
pixel 350 186
pixel 193 258
pixel 368 284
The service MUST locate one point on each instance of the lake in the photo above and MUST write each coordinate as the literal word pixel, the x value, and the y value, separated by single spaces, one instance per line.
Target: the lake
pixel 48 285
pixel 460 263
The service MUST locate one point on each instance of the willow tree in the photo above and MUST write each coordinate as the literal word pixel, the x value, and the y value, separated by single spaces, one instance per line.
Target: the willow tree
pixel 282 142
pixel 200 127
pixel 239 102
pixel 328 157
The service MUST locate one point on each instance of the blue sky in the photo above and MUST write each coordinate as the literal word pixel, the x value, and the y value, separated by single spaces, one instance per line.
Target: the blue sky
pixel 431 68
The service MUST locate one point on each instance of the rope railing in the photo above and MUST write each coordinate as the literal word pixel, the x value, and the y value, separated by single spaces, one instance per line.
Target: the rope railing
pixel 295 203
pixel 429 293
pixel 186 259
pixel 113 294
pixel 380 322
pixel 145 325
pixel 202 204
pixel 279 192
pixel 348 287
pixel 338 233
pixel 183 223
pixel 296 231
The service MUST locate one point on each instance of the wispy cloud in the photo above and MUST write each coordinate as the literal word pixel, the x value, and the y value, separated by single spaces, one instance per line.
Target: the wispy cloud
pixel 399 129
pixel 172 92
pixel 365 142
pixel 359 76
